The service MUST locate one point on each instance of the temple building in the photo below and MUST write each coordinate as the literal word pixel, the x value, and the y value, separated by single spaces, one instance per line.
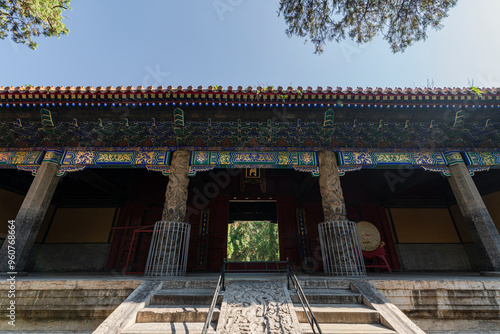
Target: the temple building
pixel 86 173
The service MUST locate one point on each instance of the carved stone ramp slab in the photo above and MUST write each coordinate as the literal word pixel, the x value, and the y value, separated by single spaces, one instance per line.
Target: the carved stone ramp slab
pixel 126 313
pixel 390 315
pixel 349 329
pixel 168 328
pixel 257 307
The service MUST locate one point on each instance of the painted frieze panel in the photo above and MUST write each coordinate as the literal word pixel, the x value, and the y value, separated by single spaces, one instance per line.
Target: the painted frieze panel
pixel 116 157
pixel 301 161
pixel 386 159
pixel 491 159
pixel 11 159
pixel 78 159
pixel 28 160
pixel 256 159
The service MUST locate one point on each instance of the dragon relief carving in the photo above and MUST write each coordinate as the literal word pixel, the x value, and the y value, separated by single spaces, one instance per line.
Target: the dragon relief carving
pixel 329 185
pixel 177 188
pixel 257 307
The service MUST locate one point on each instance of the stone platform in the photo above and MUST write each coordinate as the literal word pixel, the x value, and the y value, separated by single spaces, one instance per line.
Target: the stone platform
pixel 78 303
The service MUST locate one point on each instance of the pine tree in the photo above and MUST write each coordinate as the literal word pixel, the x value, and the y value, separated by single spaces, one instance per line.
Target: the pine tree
pixel 400 22
pixel 24 19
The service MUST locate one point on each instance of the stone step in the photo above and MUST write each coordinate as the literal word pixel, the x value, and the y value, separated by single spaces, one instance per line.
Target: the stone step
pixel 167 328
pixel 348 329
pixel 178 313
pixel 324 284
pixel 64 312
pixel 328 296
pixel 72 293
pixel 339 313
pixel 185 297
pixel 191 284
pixel 69 302
pixel 465 301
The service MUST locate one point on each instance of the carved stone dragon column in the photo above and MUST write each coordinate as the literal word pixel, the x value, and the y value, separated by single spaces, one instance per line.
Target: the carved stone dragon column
pixel 169 245
pixel 329 186
pixel 177 188
pixel 338 237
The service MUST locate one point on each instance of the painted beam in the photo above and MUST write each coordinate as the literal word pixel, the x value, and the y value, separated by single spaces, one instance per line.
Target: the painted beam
pixel 300 161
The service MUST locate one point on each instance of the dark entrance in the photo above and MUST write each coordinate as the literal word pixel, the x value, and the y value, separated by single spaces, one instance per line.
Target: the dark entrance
pixel 246 210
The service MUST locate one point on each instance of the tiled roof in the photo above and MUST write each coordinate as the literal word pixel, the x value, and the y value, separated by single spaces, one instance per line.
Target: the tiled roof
pixel 202 120
pixel 89 96
pixel 239 89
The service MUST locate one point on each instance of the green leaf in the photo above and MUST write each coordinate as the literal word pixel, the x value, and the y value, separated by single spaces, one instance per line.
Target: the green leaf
pixel 401 23
pixel 24 19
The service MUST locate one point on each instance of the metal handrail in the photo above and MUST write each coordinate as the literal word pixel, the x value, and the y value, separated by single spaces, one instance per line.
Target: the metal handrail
pixel 303 300
pixel 218 288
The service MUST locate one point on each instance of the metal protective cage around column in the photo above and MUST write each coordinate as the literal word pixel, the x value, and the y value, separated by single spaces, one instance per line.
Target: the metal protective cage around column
pixel 169 249
pixel 342 255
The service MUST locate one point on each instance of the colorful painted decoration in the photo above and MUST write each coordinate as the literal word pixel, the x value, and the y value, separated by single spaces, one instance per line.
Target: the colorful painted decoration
pixel 47 119
pixel 53 156
pixel 312 136
pixel 99 157
pixel 453 157
pixel 438 169
pixel 482 158
pixel 473 170
pixel 11 159
pixel 300 161
pixel 385 159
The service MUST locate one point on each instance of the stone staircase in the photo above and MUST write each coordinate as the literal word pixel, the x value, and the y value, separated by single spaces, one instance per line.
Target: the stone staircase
pixel 340 306
pixel 337 309
pixel 177 309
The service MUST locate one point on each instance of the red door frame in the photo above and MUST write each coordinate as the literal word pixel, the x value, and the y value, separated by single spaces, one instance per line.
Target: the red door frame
pixel 132 217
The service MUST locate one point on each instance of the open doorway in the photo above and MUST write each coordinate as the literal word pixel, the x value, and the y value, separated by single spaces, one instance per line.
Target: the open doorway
pixel 252 233
pixel 252 241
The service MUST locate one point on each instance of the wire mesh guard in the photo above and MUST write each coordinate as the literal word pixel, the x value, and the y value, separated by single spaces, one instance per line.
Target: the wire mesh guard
pixel 169 249
pixel 341 250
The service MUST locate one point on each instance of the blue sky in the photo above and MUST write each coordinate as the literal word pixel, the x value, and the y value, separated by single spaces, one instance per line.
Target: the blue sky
pixel 190 42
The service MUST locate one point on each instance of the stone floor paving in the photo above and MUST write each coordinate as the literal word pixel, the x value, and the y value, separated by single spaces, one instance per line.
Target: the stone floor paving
pixel 113 276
